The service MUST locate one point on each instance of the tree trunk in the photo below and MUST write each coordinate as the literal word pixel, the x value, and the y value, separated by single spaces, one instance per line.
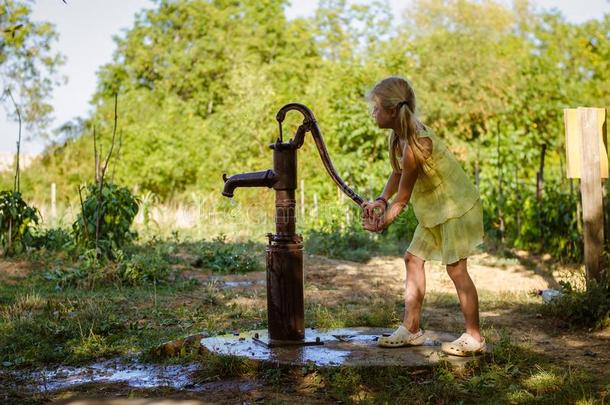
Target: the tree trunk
pixel 476 173
pixel 540 174
pixel 517 192
pixel 500 199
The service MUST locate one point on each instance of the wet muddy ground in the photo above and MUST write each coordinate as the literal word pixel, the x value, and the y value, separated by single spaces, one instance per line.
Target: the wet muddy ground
pixel 331 282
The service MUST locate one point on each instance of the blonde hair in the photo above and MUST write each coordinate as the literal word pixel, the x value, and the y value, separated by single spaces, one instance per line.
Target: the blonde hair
pixel 396 92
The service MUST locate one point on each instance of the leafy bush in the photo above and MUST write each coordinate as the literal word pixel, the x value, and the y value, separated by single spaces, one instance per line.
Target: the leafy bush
pixel 145 268
pixel 220 256
pixel 114 208
pixel 53 239
pixel 590 308
pixel 16 219
pixel 332 238
pixel 86 272
pixel 133 268
pixel 551 226
pixel 547 225
pixel 351 243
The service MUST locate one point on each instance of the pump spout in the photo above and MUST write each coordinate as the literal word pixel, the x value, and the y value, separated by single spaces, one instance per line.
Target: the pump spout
pixel 265 178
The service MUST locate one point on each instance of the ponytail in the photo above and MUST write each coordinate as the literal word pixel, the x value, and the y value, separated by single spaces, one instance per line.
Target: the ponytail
pixel 408 124
pixel 396 93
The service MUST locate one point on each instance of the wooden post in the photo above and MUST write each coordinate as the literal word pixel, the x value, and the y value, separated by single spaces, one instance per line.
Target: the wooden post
pixel 591 190
pixel 302 198
pixel 587 159
pixel 53 205
pixel 499 199
pixel 518 193
pixel 540 174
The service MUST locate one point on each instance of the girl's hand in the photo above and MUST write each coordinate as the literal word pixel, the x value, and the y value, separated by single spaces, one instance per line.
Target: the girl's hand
pixel 380 223
pixel 373 214
pixel 370 208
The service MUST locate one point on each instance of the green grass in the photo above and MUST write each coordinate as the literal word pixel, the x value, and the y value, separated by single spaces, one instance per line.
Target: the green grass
pixel 66 312
pixel 43 323
pixel 509 374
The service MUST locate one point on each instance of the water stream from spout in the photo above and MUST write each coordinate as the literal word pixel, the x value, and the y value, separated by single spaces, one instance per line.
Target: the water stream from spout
pixel 233 211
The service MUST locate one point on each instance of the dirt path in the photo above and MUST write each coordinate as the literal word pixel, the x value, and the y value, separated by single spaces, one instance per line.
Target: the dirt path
pixel 339 278
pixel 331 282
pixel 504 287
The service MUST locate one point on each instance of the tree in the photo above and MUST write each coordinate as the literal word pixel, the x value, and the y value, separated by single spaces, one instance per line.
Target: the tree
pixel 28 64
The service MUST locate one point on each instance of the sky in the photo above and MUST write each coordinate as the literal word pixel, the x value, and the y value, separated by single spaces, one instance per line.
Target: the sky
pixel 86 28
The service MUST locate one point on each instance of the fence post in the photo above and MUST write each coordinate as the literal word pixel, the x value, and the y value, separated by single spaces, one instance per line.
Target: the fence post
pixel 53 204
pixel 591 194
pixel 585 140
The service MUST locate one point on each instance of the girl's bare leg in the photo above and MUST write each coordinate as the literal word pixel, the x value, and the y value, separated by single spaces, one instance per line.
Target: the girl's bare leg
pixel 414 291
pixel 467 293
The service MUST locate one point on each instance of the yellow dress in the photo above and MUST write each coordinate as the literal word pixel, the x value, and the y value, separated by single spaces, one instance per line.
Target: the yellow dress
pixel 448 208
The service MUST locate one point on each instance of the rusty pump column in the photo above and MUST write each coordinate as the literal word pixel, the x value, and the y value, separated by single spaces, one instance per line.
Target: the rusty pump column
pixel 285 303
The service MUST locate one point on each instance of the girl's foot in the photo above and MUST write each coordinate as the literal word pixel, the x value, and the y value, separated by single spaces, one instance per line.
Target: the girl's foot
pixel 402 337
pixel 465 345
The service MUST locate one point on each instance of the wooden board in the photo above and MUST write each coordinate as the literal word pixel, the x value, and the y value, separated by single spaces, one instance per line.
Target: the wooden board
pixel 574 136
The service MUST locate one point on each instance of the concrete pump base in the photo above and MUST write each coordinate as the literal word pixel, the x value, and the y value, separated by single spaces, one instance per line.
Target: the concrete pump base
pixel 342 347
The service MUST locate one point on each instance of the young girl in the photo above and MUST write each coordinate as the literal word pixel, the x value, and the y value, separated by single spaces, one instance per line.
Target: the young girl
pixel 445 203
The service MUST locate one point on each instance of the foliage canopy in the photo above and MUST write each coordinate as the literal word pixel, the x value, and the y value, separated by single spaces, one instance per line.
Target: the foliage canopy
pixel 200 82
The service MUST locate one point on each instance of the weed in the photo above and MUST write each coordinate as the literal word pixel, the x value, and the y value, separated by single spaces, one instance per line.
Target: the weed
pixel 16 221
pixel 221 256
pixel 543 381
pixel 228 366
pixel 142 268
pixel 53 239
pixel 105 219
pixel 588 308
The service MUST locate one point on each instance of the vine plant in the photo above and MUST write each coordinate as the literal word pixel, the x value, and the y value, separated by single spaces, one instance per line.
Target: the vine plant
pixel 107 210
pixel 16 216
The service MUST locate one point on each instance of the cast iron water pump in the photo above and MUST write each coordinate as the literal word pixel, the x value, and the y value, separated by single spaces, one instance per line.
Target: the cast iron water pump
pixel 285 308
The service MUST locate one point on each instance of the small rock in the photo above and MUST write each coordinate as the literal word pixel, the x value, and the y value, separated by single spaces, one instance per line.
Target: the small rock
pixel 590 353
pixel 175 347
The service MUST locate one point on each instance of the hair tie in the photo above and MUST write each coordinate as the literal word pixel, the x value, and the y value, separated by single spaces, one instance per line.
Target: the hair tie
pixel 403 103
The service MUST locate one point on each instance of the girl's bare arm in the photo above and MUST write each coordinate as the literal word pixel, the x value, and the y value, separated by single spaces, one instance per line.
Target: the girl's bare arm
pixel 391 186
pixel 405 186
pixel 369 208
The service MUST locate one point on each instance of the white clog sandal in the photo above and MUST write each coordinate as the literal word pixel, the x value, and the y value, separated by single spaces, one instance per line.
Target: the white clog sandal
pixel 465 345
pixel 402 337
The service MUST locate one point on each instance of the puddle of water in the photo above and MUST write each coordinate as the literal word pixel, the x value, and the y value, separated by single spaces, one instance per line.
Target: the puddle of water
pixel 232 284
pixel 348 346
pixel 321 355
pixel 135 374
